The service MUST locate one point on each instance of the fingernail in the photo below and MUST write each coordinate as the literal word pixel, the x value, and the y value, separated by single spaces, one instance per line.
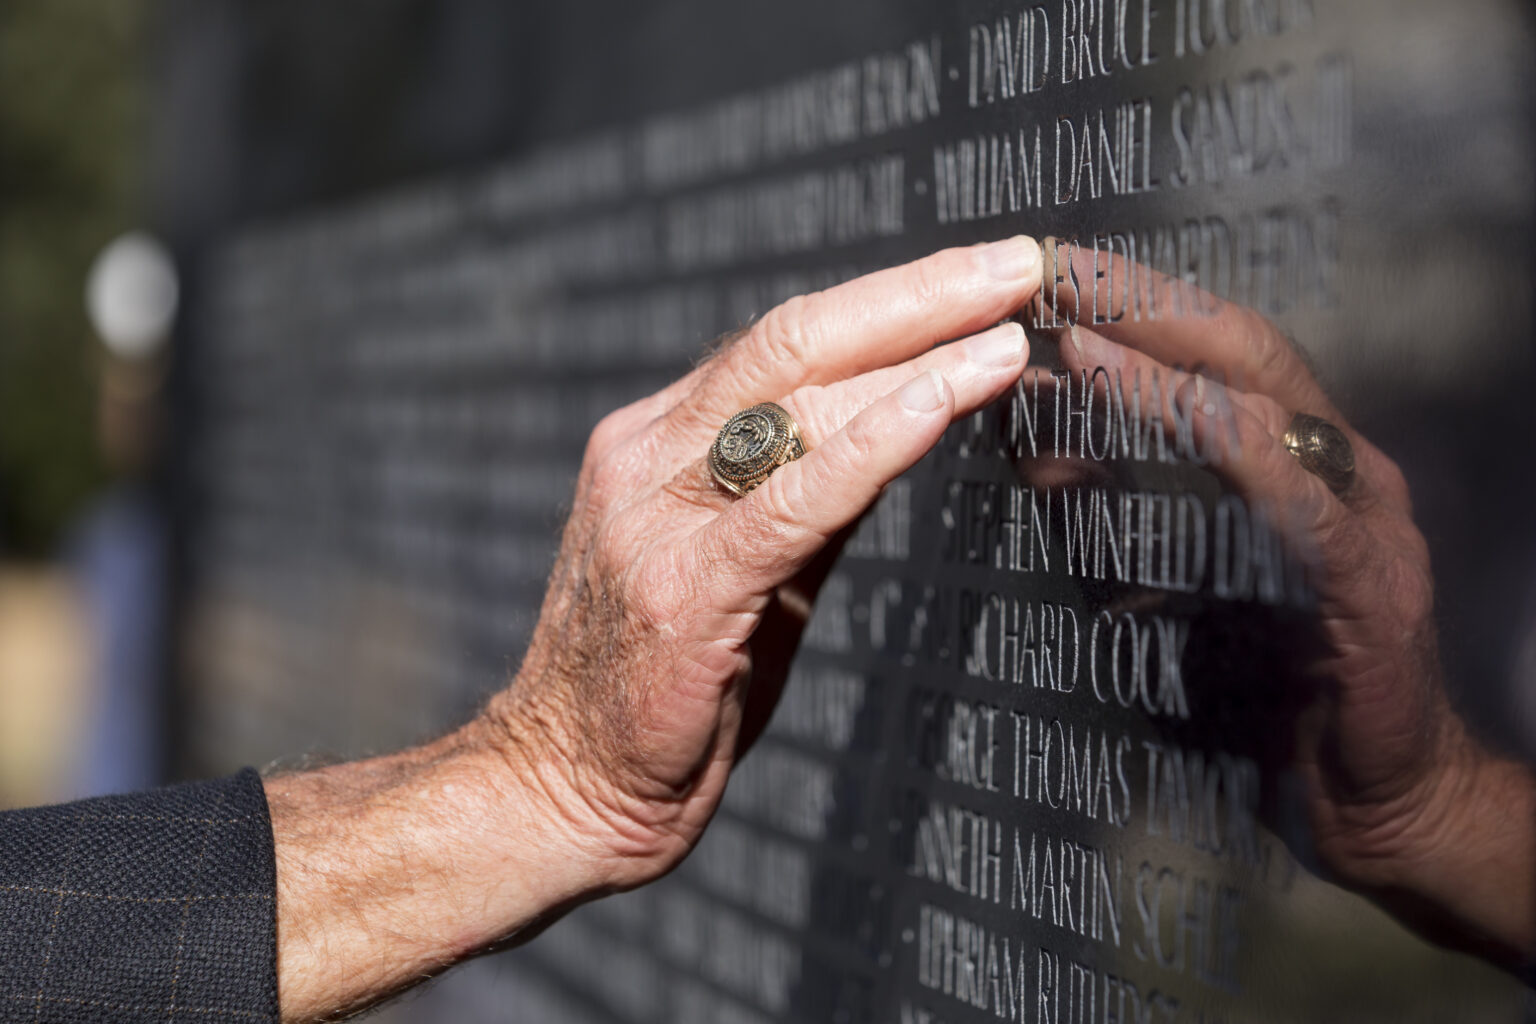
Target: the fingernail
pixel 1003 345
pixel 1011 258
pixel 923 394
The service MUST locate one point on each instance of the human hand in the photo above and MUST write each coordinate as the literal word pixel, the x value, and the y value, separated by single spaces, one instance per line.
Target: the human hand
pixel 1405 805
pixel 670 620
pixel 674 608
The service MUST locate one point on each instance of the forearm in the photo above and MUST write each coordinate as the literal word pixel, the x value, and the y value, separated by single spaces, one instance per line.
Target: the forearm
pixel 392 869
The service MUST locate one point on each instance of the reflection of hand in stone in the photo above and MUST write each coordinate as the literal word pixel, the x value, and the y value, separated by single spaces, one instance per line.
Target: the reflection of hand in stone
pixel 1405 804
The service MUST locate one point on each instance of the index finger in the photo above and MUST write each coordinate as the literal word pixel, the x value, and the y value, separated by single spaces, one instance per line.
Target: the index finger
pixel 1176 323
pixel 873 321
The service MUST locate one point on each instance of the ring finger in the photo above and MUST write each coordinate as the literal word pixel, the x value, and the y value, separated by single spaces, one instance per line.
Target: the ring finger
pixel 979 369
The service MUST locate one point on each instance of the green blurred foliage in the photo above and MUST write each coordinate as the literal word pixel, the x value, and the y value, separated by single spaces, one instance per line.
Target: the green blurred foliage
pixel 72 122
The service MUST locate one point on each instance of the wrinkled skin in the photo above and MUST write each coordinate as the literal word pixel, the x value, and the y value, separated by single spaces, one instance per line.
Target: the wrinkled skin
pixel 674 607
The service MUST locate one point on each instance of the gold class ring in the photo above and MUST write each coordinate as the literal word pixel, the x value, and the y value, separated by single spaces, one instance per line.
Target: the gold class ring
pixel 1322 449
pixel 752 444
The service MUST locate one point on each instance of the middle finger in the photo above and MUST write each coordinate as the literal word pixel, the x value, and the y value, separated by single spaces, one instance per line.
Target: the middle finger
pixel 873 321
pixel 1177 323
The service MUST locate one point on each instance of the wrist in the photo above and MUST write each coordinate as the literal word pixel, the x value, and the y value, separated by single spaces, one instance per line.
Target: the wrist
pixel 533 796
pixel 1454 859
pixel 392 869
pixel 578 799
pixel 1479 873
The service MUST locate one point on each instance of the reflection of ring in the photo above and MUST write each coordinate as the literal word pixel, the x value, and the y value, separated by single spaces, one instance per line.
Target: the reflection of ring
pixel 753 444
pixel 1322 449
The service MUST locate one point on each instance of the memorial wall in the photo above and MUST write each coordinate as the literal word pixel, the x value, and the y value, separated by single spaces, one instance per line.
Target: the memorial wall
pixel 1033 762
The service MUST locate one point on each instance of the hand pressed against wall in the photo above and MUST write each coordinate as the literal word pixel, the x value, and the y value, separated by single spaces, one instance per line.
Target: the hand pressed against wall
pixel 672 611
pixel 1404 804
pixel 631 701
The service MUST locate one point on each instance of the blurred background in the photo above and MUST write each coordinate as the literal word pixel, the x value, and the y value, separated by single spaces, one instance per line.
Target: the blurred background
pixel 79 533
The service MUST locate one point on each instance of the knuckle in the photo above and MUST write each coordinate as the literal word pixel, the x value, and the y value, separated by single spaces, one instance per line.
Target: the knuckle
pixel 863 439
pixel 611 547
pixel 684 426
pixel 603 463
pixel 759 532
pixel 1408 593
pixel 1261 350
pixel 723 344
pixel 609 476
pixel 786 334
pixel 1270 414
pixel 803 401
pixel 1387 474
pixel 726 551
pixel 653 596
pixel 1416 547
pixel 785 510
pixel 608 432
pixel 622 423
pixel 1329 522
pixel 931 278
pixel 694 485
pixel 780 501
pixel 807 406
pixel 1246 444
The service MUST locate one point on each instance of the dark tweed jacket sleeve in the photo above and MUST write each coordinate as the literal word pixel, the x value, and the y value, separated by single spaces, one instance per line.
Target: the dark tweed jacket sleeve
pixel 156 906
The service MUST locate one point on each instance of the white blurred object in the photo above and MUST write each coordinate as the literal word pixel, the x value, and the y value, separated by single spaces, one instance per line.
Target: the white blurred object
pixel 131 295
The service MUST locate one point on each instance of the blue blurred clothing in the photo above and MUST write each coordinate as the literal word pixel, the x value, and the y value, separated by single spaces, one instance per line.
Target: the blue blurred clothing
pixel 117 559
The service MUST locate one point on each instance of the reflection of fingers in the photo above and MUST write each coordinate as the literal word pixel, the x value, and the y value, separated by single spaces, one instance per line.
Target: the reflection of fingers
pixel 979 369
pixel 766 537
pixel 1180 324
pixel 877 320
pixel 1259 467
pixel 1377 477
pixel 1240 433
pixel 1253 459
pixel 1359 553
